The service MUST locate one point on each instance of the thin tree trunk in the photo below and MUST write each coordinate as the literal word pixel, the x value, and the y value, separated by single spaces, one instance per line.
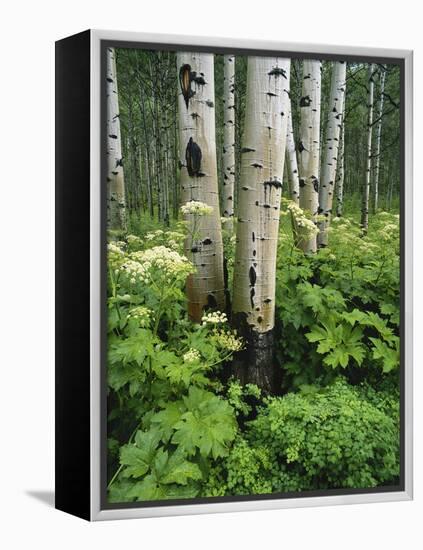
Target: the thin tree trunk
pixel 229 139
pixel 140 172
pixel 149 186
pixel 148 161
pixel 205 288
pixel 309 149
pixel 390 186
pixel 116 211
pixel 165 172
pixel 366 186
pixel 330 157
pixel 175 169
pixel 340 174
pixel 260 191
pixel 291 157
pixel 378 140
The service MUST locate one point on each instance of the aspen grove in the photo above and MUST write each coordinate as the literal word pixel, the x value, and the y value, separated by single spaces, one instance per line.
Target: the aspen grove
pixel 253 274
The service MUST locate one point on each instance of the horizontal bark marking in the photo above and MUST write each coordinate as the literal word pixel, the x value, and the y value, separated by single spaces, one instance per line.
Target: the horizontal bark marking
pixel 277 71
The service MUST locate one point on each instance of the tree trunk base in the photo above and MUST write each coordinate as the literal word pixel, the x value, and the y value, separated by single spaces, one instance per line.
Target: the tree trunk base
pixel 255 364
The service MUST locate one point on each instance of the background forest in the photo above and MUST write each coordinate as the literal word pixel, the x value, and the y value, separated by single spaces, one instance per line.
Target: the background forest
pixel 253 274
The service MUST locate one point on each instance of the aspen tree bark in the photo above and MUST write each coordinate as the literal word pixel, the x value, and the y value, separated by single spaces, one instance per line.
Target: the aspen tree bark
pixel 262 163
pixel 340 172
pixel 198 179
pixel 309 148
pixel 165 131
pixel 116 211
pixel 330 157
pixel 175 167
pixel 229 140
pixel 291 157
pixel 366 185
pixel 147 151
pixel 378 140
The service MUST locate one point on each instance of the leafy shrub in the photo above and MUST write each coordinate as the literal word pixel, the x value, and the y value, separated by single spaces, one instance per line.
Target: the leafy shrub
pixel 165 459
pixel 332 437
pixel 163 418
pixel 344 301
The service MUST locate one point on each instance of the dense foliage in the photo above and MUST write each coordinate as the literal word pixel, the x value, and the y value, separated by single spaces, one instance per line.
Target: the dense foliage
pixel 178 427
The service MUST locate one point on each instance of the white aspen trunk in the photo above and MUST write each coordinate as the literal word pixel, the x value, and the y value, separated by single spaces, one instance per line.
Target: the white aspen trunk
pixel 229 140
pixel 366 185
pixel 291 157
pixel 340 174
pixel 262 163
pixel 330 157
pixel 205 288
pixel 378 140
pixel 309 148
pixel 116 211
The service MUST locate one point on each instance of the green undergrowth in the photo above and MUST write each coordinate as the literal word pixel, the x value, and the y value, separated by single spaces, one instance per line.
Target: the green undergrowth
pixel 178 428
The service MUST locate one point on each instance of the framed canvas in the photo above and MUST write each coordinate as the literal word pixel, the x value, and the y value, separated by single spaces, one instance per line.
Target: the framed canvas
pixel 233 275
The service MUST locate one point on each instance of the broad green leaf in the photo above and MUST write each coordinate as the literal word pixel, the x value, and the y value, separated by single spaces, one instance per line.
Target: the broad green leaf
pixel 147 489
pixel 119 491
pixel 316 334
pixel 311 296
pixel 390 357
pixel 208 425
pixel 138 457
pixel 179 470
pixel 354 316
pixel 166 419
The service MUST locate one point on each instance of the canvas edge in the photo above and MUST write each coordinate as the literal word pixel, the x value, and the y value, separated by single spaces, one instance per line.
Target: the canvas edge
pixel 97 513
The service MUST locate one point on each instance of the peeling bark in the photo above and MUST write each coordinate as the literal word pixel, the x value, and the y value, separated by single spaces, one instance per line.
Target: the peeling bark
pixel 309 148
pixel 330 157
pixel 229 140
pixel 116 211
pixel 205 288
pixel 366 184
pixel 262 164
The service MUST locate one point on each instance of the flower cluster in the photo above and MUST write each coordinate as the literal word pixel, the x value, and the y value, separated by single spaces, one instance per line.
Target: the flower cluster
pixel 308 227
pixel 227 340
pixel 214 318
pixel 134 271
pixel 388 232
pixel 196 208
pixel 133 239
pixel 170 239
pixel 115 254
pixel 141 314
pixel 113 248
pixel 167 265
pixel 134 242
pixel 191 356
pixel 153 235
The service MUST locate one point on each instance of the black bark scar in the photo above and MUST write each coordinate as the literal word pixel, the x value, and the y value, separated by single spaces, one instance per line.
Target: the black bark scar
pixel 193 156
